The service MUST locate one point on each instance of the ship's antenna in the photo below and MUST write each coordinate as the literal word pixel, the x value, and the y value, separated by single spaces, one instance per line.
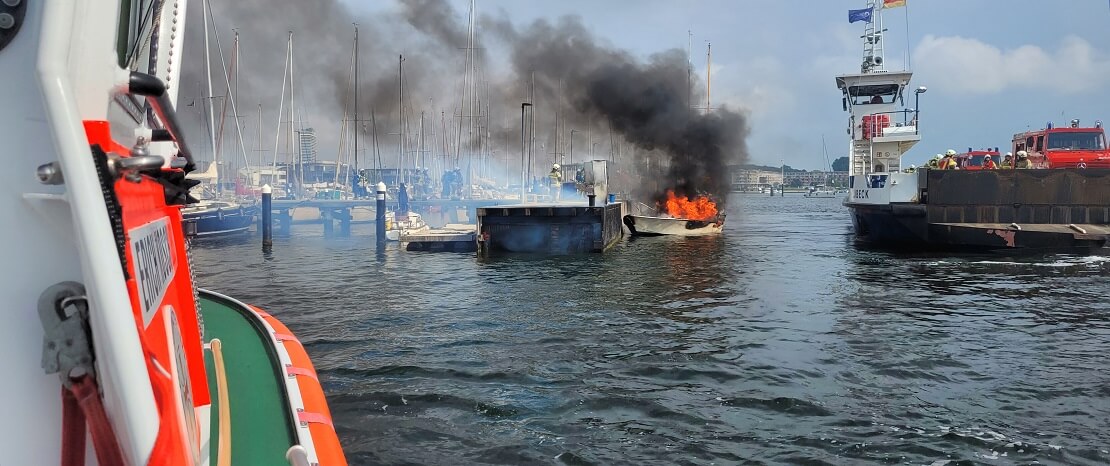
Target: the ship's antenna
pixel 873 40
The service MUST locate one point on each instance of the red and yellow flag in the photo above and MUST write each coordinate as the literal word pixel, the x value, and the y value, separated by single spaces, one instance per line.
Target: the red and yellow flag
pixel 893 3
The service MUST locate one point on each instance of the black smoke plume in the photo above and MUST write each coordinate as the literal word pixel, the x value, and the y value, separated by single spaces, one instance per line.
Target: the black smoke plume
pixel 638 112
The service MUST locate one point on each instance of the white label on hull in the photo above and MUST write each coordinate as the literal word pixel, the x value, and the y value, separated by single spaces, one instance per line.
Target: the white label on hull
pixel 154 264
pixel 180 370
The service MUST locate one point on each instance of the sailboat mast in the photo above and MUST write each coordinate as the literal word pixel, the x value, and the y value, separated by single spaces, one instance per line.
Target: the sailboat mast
pixel 229 91
pixel 208 80
pixel 531 129
pixel 555 154
pixel 235 92
pixel 689 70
pixel 293 133
pixel 281 103
pixel 421 159
pixel 259 144
pixel 358 124
pixel 401 117
pixel 708 74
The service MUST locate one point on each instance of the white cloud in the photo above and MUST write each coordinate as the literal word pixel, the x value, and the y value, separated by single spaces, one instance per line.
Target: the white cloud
pixel 957 64
pixel 757 85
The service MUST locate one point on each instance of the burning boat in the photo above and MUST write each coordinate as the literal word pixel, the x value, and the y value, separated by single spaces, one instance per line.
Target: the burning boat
pixel 678 215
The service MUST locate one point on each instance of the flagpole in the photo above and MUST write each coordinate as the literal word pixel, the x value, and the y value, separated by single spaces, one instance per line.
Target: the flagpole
pixel 907 7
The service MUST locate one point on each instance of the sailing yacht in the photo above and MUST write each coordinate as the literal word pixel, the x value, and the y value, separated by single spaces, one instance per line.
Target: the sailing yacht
pixel 216 213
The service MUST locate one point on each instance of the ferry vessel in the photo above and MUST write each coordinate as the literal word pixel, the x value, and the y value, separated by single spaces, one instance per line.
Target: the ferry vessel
pixel 1066 206
pixel 107 336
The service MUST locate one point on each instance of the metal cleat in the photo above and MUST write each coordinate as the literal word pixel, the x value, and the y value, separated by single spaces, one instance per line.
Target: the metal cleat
pixel 64 312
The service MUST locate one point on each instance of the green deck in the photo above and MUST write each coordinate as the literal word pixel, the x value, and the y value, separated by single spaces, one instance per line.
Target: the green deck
pixel 262 427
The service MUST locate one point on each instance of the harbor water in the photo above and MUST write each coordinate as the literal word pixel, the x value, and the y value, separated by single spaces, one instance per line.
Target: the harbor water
pixel 779 341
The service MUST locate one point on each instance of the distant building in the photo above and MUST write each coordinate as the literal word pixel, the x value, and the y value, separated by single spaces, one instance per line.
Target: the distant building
pixel 811 178
pixel 307 141
pixel 750 179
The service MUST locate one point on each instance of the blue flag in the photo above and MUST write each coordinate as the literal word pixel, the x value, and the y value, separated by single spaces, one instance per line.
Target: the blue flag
pixel 860 15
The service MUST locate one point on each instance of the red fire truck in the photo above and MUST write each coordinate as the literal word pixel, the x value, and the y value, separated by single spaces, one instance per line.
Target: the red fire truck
pixel 973 159
pixel 1069 147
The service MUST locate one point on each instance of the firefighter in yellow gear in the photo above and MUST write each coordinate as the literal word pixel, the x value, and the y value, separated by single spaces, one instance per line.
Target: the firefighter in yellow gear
pixel 1008 161
pixel 556 180
pixel 934 163
pixel 949 161
pixel 1023 161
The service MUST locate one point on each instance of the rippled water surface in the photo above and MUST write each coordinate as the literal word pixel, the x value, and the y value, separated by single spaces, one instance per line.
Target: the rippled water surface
pixel 777 342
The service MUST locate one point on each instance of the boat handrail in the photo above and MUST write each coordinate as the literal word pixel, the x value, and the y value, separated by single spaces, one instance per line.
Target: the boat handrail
pixel 155 92
pixel 878 124
pixel 223 448
pixel 297 456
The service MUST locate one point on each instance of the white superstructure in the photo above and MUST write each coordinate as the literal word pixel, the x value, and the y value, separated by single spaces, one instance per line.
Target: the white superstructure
pixel 881 128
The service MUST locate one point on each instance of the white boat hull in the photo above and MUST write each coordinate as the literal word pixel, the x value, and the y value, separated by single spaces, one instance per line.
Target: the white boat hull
pixel 641 225
pixel 411 223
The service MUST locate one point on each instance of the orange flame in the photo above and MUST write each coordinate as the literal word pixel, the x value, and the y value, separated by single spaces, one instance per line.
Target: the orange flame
pixel 699 208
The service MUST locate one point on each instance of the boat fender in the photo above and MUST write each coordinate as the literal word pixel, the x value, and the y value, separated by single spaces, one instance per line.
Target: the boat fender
pixel 695 224
pixel 220 214
pixel 630 222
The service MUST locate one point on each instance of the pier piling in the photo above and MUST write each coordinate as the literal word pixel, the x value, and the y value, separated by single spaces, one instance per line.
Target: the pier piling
pixel 327 215
pixel 379 214
pixel 344 222
pixel 267 218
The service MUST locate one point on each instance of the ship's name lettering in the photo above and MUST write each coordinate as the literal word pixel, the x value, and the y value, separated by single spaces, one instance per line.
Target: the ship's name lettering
pixel 860 194
pixel 154 264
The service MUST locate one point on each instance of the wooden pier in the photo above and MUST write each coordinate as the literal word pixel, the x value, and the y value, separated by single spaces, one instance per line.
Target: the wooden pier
pixel 337 215
pixel 452 237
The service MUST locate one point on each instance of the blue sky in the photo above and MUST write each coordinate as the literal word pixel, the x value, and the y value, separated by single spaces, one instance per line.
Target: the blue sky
pixel 993 68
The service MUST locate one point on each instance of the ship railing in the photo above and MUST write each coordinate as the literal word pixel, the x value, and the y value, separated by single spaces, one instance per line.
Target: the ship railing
pixel 154 90
pixel 880 124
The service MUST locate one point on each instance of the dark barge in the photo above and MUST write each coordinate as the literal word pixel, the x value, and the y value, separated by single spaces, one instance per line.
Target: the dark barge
pixel 1048 209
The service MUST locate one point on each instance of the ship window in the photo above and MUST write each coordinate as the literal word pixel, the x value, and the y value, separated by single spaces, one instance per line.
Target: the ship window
pixel 1076 141
pixel 1040 144
pixel 873 94
pixel 136 19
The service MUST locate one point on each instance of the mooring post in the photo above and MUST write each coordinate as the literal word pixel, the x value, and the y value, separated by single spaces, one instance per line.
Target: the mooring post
pixel 345 222
pixel 380 213
pixel 329 221
pixel 267 218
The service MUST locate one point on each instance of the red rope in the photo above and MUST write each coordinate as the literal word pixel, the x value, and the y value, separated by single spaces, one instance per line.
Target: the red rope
pixel 84 394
